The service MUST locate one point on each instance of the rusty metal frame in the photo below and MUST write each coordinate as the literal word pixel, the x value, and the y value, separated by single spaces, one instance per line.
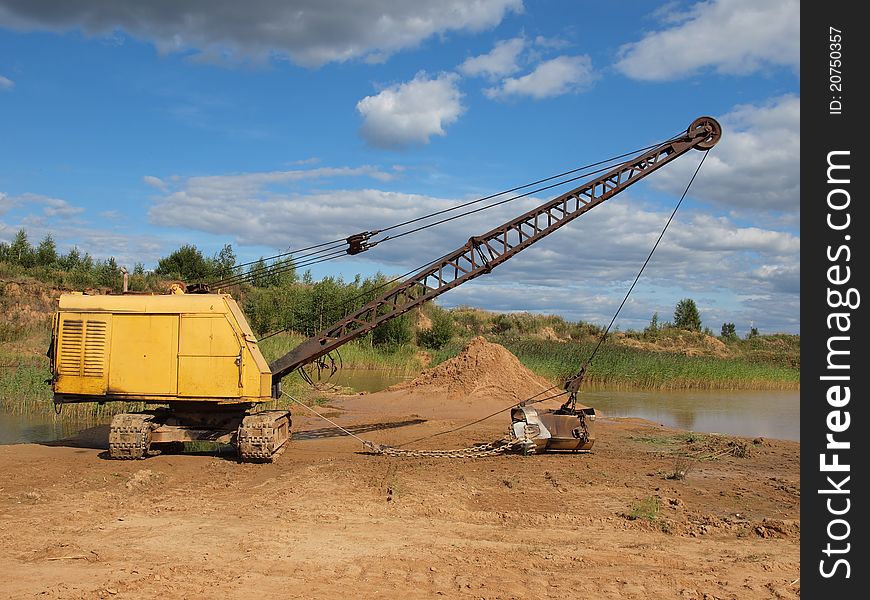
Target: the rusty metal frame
pixel 483 253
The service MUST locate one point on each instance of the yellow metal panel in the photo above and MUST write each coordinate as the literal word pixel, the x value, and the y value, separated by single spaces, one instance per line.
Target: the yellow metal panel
pixel 144 303
pixel 257 376
pixel 143 359
pixel 207 335
pixel 208 376
pixel 83 342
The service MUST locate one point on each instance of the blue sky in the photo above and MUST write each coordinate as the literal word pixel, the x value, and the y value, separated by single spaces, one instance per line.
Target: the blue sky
pixel 130 128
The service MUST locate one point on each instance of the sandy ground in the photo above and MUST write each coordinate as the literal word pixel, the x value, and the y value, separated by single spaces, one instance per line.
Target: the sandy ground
pixel 327 520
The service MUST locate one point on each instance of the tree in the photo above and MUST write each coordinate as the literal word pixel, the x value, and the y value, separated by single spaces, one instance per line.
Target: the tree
pixel 280 273
pixel 20 250
pixel 729 331
pixel 71 259
pixel 653 327
pixel 187 263
pixel 225 262
pixel 258 274
pixel 46 252
pixel 753 332
pixel 686 315
pixel 107 273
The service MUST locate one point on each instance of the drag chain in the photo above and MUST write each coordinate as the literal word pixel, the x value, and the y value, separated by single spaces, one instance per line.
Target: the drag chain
pixel 501 446
pixel 130 436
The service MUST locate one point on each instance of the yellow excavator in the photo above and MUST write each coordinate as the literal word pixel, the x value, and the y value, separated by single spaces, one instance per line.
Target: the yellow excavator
pixel 195 355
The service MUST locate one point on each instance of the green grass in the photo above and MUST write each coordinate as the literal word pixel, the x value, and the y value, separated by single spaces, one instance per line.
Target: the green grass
pixel 24 369
pixel 623 367
pixel 23 390
pixel 648 509
pixel 358 354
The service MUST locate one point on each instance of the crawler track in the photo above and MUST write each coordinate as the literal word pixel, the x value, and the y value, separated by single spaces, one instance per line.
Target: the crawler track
pixel 262 436
pixel 130 436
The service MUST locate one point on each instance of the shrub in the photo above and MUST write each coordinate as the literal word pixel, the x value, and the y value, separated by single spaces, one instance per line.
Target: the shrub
pixel 440 333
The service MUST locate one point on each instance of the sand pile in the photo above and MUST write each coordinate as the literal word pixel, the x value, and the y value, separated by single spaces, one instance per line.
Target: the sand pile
pixel 482 370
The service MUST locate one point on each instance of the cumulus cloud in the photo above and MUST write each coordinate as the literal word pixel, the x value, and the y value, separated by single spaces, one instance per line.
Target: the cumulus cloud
pixel 554 77
pixel 6 83
pixel 500 61
pixel 755 168
pixel 411 112
pixel 308 32
pixel 735 37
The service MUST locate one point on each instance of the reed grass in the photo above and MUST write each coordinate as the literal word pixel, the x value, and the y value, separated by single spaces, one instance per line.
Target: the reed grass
pixel 620 367
pixel 358 354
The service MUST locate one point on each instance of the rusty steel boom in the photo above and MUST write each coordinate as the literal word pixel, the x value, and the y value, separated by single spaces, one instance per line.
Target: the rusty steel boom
pixel 483 253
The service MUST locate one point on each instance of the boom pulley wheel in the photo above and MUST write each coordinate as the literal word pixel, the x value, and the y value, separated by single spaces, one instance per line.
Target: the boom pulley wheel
pixel 707 125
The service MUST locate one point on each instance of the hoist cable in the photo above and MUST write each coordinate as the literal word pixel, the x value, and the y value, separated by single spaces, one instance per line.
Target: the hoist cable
pixel 268 269
pixel 520 187
pixel 645 263
pixel 531 400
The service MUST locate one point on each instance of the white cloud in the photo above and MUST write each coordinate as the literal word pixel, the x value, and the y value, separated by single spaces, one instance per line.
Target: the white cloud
pixel 6 83
pixel 551 42
pixel 308 32
pixel 735 37
pixel 7 203
pixel 560 75
pixel 154 182
pixel 500 61
pixel 40 215
pixel 48 206
pixel 411 112
pixel 755 168
pixel 55 207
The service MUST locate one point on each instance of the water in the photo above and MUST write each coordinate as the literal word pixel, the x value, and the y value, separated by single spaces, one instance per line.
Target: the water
pixel 367 380
pixel 755 413
pixel 29 429
pixel 750 413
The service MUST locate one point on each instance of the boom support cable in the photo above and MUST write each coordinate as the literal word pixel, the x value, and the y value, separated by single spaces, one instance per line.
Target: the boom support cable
pixel 328 250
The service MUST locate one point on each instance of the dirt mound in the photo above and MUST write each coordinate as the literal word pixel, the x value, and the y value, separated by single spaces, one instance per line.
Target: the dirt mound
pixel 549 334
pixel 482 370
pixel 26 303
pixel 690 344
